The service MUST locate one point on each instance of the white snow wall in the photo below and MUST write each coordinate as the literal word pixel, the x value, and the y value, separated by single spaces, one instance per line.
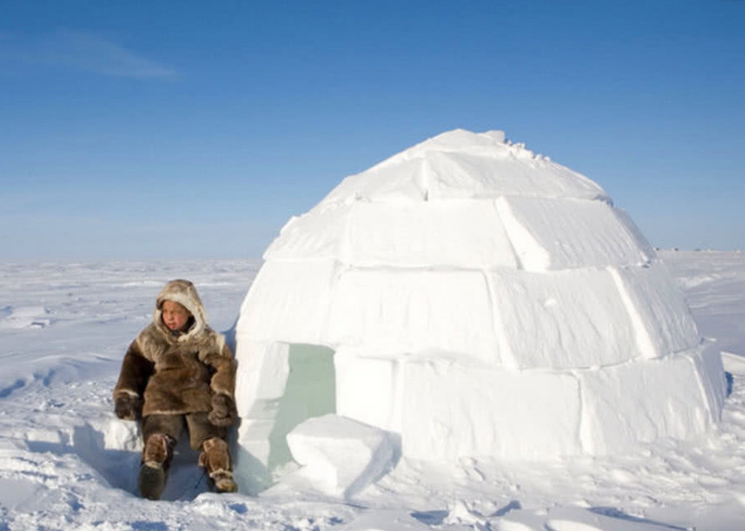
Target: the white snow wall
pixel 477 300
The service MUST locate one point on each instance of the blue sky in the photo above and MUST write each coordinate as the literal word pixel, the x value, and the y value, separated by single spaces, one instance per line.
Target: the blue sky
pixel 145 129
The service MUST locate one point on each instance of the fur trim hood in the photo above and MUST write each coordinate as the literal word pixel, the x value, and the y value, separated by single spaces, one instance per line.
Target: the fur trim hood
pixel 183 292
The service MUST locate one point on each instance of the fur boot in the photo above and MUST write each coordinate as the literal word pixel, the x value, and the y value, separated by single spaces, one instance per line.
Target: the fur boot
pixel 156 457
pixel 216 460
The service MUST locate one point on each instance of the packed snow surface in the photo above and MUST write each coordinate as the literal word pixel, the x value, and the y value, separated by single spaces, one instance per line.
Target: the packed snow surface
pixel 474 299
pixel 66 462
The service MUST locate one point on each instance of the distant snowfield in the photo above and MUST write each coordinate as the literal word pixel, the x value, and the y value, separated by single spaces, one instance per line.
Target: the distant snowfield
pixel 67 463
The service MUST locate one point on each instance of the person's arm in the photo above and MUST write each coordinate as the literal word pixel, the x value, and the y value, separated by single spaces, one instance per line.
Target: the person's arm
pixel 222 383
pixel 223 365
pixel 133 377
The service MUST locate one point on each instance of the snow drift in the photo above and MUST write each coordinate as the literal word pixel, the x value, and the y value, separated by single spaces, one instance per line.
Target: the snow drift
pixel 474 299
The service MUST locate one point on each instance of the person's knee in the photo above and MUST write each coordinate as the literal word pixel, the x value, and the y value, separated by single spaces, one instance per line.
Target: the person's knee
pixel 158 449
pixel 215 454
pixel 215 444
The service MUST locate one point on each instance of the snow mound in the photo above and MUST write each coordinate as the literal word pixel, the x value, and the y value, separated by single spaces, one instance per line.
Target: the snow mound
pixel 477 300
pixel 24 317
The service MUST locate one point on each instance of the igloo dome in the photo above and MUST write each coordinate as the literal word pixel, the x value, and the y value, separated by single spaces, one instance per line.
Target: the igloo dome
pixel 477 300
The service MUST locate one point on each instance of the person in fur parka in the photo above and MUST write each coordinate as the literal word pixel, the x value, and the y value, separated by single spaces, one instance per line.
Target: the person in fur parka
pixel 178 371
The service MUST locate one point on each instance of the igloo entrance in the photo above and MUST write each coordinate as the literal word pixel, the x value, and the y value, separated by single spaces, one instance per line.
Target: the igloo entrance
pixel 287 384
pixel 310 391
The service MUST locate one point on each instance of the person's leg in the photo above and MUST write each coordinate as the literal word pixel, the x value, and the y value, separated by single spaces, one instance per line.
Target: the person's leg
pixel 160 433
pixel 215 456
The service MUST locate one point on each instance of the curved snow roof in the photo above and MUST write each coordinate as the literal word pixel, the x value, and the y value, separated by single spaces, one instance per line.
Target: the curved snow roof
pixel 465 199
pixel 460 164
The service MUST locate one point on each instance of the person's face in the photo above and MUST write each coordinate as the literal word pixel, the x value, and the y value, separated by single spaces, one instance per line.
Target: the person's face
pixel 174 315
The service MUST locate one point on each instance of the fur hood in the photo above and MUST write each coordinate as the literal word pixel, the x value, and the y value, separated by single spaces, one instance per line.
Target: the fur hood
pixel 183 292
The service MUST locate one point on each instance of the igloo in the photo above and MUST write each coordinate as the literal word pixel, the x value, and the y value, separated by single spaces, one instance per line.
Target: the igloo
pixel 475 299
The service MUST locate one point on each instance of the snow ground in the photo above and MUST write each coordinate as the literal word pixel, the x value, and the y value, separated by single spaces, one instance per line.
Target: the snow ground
pixel 67 463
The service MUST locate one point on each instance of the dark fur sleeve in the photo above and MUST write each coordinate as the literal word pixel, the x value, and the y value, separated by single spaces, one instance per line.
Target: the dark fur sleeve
pixel 135 372
pixel 223 366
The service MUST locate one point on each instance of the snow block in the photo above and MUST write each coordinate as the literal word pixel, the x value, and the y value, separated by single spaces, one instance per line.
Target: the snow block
pixel 454 233
pixel 260 382
pixel 397 180
pixel 412 310
pixel 289 301
pixel 550 234
pixel 507 171
pixel 708 360
pixel 366 388
pixel 630 226
pixel 642 401
pixel 318 234
pixel 254 438
pixel 451 411
pixel 563 319
pixel 656 303
pixel 342 455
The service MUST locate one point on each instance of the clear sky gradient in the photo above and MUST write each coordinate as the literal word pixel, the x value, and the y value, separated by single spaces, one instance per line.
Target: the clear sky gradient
pixel 141 129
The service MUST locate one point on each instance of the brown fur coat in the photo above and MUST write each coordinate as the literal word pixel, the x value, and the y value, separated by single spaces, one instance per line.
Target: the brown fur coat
pixel 177 374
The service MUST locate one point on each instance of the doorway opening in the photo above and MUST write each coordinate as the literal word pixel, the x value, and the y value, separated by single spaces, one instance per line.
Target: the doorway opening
pixel 310 391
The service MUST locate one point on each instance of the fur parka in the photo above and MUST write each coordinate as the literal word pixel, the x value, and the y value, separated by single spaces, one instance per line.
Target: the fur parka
pixel 177 373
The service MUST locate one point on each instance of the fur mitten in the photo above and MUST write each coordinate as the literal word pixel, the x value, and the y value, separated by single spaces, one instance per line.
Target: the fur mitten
pixel 223 412
pixel 128 407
